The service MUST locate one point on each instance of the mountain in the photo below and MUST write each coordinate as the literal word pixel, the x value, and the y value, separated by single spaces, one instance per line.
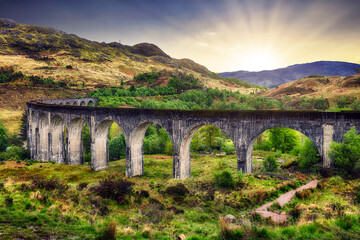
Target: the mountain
pixel 272 78
pixel 45 51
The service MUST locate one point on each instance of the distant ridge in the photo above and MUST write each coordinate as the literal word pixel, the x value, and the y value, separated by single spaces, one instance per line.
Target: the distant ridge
pixel 272 78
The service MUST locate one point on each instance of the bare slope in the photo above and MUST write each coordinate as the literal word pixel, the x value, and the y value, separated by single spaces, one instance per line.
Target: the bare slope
pixel 272 78
pixel 317 86
pixel 45 51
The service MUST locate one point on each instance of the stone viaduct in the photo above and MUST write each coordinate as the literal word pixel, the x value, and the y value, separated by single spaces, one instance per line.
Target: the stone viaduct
pixel 48 119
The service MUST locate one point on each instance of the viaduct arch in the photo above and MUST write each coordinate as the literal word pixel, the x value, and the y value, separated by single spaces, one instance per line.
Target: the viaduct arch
pixel 47 119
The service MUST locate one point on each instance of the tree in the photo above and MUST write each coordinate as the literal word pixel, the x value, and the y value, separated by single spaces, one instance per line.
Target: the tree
pixel 86 140
pixel 308 155
pixel 117 148
pixel 346 155
pixel 283 139
pixel 209 134
pixel 3 137
pixel 23 126
pixel 270 164
pixel 357 70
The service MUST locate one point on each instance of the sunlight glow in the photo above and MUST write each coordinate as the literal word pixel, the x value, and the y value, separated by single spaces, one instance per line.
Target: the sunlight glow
pixel 260 59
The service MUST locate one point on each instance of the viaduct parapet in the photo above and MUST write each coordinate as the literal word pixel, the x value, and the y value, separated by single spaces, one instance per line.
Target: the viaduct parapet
pixel 48 119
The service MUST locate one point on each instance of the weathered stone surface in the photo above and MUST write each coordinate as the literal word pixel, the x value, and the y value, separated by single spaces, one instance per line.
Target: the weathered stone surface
pixel 47 119
pixel 181 237
pixel 229 218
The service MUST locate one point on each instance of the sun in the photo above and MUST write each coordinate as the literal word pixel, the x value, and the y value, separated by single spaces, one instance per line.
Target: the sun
pixel 258 59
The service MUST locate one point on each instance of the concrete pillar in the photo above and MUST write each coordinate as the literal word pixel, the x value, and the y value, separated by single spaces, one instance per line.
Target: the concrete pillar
pixel 244 157
pixel 327 138
pixel 99 144
pixel 43 138
pixel 182 154
pixel 134 151
pixel 57 140
pixel 74 142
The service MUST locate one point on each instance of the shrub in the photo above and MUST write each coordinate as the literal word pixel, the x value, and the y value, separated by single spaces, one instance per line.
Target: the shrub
pixel 229 233
pixel 81 186
pixel 9 201
pixel 308 155
pixel 178 192
pixel 49 184
pixel 303 194
pixel 108 232
pixel 346 222
pixel 117 148
pixel 224 179
pixel 115 189
pixel 346 155
pixel 270 164
pixel 357 195
pixel 69 67
pixel 3 137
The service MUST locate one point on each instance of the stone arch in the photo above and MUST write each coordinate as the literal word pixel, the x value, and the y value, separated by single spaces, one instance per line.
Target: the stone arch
pixel 90 103
pixel 74 142
pixel 67 103
pixel 82 103
pixel 75 103
pixel 135 155
pixel 43 138
pixel 182 165
pixel 99 148
pixel 57 146
pixel 249 150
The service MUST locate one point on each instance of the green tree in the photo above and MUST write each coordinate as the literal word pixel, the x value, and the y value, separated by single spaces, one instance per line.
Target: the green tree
pixel 3 137
pixel 270 164
pixel 86 140
pixel 346 155
pixel 117 148
pixel 209 134
pixel 308 155
pixel 283 139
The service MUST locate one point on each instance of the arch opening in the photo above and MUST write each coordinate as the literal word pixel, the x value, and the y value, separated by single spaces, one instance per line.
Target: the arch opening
pixel 150 138
pixel 283 147
pixel 108 145
pixel 75 103
pixel 82 103
pixel 90 103
pixel 74 142
pixel 202 140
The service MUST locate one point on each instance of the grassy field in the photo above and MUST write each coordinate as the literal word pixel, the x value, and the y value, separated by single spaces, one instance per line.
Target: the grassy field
pixel 46 200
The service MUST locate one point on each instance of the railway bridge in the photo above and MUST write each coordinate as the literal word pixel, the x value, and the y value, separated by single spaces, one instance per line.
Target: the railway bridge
pixel 48 119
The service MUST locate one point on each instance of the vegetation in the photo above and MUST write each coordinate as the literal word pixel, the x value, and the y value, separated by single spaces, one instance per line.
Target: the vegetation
pixel 9 74
pixel 346 155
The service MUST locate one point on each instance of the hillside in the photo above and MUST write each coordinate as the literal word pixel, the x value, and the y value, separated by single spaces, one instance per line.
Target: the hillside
pixel 272 78
pixel 316 86
pixel 48 52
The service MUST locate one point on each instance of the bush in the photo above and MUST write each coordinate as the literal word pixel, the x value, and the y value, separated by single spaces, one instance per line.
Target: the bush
pixel 346 155
pixel 108 232
pixel 3 137
pixel 308 156
pixel 117 148
pixel 178 192
pixel 270 164
pixel 115 189
pixel 229 233
pixel 49 184
pixel 224 179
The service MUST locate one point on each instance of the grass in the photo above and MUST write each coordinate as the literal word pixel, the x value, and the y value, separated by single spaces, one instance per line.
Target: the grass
pixel 71 211
pixel 11 119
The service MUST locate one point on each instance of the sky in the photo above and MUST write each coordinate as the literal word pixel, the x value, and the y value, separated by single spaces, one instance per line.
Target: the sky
pixel 223 35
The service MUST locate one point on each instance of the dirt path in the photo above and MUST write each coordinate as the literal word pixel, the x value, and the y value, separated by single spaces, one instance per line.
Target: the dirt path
pixel 282 200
